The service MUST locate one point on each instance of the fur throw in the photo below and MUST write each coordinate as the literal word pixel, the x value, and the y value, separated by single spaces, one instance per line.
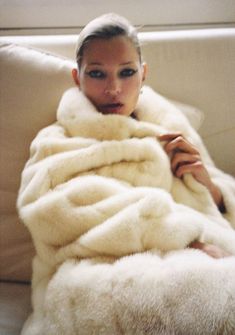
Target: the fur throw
pixel 111 225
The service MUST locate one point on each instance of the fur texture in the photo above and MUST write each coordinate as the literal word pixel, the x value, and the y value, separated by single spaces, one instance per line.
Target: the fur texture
pixel 111 225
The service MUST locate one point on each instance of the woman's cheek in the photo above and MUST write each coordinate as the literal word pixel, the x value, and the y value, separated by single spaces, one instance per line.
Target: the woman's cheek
pixel 130 87
pixel 133 89
pixel 93 90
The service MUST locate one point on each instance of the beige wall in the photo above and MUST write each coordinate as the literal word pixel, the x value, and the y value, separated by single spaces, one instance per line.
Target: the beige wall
pixel 43 16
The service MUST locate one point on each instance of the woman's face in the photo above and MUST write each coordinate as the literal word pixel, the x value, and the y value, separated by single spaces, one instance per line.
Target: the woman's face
pixel 111 75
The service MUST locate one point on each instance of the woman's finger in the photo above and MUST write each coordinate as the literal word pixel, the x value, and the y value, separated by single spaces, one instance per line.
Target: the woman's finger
pixel 194 168
pixel 169 136
pixel 176 142
pixel 182 158
pixel 180 144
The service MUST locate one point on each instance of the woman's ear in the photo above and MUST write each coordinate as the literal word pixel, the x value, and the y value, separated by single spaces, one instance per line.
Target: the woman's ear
pixel 144 71
pixel 75 77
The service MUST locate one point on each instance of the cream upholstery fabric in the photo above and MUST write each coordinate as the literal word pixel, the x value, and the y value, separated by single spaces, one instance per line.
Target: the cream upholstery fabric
pixel 31 85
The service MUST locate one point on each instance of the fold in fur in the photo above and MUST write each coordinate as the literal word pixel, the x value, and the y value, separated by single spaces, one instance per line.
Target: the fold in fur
pixel 110 224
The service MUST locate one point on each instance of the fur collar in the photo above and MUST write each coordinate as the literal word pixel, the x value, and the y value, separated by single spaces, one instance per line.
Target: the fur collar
pixel 80 117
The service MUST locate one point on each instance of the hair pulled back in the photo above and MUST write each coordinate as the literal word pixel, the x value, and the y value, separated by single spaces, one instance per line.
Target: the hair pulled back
pixel 106 27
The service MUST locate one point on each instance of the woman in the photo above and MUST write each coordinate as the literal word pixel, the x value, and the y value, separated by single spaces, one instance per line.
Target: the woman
pixel 117 200
pixel 110 73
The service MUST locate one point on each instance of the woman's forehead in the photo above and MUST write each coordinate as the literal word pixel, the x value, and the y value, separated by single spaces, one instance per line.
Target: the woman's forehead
pixel 118 49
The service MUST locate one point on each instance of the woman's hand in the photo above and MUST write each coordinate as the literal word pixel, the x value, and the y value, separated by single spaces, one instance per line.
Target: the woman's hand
pixel 209 249
pixel 185 158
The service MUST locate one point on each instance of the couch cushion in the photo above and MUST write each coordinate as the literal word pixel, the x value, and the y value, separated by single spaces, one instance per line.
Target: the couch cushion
pixel 32 83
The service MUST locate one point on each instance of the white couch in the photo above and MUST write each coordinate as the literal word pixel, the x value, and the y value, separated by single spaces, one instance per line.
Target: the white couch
pixel 194 67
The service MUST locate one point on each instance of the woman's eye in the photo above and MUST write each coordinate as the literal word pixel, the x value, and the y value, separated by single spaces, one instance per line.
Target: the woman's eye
pixel 127 72
pixel 96 74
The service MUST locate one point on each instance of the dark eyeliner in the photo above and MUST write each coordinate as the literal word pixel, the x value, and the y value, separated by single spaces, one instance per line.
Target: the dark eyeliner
pixel 95 74
pixel 127 72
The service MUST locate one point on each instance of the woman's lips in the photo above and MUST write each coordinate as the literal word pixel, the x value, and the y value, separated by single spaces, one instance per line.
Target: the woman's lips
pixel 111 108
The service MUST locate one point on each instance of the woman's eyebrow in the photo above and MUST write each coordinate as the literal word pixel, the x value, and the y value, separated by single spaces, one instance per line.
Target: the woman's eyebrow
pixel 95 63
pixel 127 63
pixel 101 64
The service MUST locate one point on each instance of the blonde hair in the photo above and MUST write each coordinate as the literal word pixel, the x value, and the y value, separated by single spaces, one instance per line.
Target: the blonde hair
pixel 106 26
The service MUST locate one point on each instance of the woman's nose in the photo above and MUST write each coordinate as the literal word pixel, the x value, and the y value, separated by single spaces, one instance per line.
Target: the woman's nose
pixel 113 87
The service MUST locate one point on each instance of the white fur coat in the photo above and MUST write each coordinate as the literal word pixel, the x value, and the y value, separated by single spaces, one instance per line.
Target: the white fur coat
pixel 111 225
